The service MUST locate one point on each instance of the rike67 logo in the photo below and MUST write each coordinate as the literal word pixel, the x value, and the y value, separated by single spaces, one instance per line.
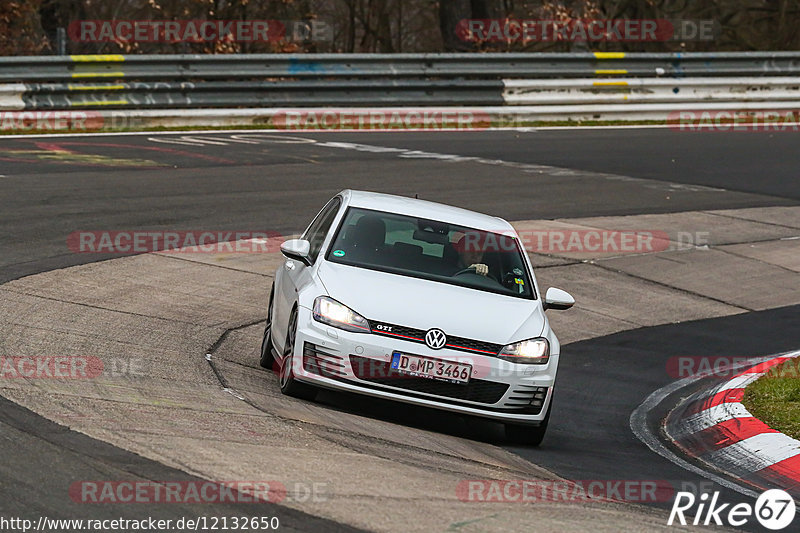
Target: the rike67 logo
pixel 774 509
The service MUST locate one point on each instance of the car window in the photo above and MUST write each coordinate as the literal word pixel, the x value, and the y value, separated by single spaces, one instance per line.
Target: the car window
pixel 402 231
pixel 316 232
pixel 432 250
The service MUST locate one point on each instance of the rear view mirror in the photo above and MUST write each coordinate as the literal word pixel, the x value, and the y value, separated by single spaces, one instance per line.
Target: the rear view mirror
pixel 431 237
pixel 297 249
pixel 558 299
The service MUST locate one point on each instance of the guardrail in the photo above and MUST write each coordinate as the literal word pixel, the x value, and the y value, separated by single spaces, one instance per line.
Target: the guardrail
pixel 208 67
pixel 559 83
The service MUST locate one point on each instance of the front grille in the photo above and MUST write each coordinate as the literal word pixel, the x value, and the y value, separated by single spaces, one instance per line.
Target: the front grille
pixel 321 363
pixel 380 372
pixel 418 335
pixel 460 343
pixel 393 330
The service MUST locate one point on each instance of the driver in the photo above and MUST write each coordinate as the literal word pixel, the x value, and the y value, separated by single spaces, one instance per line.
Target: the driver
pixel 470 256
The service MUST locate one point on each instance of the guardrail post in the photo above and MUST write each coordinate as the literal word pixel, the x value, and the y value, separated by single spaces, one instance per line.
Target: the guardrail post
pixel 61 41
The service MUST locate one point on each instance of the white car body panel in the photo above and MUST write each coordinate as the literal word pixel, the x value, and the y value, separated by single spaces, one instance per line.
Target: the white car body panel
pixel 420 304
pixel 425 304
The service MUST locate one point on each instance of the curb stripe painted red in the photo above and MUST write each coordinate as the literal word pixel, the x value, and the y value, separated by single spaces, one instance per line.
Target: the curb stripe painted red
pixel 715 428
pixel 724 396
pixel 720 434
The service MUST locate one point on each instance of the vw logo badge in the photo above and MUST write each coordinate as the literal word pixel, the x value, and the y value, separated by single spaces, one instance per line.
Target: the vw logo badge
pixel 435 338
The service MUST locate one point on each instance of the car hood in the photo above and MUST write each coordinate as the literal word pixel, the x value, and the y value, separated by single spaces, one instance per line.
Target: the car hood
pixel 424 304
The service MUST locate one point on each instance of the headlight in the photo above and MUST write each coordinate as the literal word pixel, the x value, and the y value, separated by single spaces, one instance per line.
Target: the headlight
pixel 532 352
pixel 329 311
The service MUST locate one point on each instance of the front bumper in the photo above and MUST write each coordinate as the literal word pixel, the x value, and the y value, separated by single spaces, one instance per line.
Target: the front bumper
pixel 359 362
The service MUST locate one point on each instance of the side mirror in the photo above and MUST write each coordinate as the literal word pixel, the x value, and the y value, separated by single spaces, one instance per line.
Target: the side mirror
pixel 558 299
pixel 297 249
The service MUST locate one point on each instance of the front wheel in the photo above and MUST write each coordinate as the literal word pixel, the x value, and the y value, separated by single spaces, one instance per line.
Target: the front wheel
pixel 528 435
pixel 289 385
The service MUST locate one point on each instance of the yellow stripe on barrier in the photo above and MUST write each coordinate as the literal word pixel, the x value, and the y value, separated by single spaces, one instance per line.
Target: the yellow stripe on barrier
pixel 611 83
pixel 612 72
pixel 101 102
pixel 98 58
pixel 98 74
pixel 96 87
pixel 609 55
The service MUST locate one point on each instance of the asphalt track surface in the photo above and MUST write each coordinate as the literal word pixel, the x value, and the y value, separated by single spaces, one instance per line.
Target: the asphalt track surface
pixel 602 380
pixel 53 186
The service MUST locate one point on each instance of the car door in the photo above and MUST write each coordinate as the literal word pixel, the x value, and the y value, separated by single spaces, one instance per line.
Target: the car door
pixel 293 275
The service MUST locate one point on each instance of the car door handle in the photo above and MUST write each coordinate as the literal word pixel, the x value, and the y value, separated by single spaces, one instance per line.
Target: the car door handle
pixel 289 265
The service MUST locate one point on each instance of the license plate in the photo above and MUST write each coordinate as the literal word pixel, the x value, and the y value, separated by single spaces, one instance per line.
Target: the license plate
pixel 426 367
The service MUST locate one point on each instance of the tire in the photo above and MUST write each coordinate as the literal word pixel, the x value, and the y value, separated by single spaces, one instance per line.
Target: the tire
pixel 289 385
pixel 267 358
pixel 528 435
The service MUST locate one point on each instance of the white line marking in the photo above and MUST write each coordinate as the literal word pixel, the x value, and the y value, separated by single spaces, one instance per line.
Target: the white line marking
pixel 279 138
pixel 755 453
pixel 198 140
pixel 173 141
pixel 281 132
pixel 267 132
pixel 532 168
pixel 738 382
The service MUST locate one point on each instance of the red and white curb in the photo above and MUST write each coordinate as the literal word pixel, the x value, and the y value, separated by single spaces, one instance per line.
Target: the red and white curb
pixel 714 427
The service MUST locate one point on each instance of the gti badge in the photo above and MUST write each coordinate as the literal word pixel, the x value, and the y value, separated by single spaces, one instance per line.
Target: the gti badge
pixel 435 338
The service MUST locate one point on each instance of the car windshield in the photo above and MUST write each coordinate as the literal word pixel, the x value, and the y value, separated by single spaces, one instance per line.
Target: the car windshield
pixel 431 250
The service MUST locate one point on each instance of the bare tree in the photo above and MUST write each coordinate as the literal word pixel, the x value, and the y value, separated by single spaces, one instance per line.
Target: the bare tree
pixel 388 26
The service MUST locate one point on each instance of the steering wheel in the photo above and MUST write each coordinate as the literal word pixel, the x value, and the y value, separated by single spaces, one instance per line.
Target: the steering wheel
pixel 490 280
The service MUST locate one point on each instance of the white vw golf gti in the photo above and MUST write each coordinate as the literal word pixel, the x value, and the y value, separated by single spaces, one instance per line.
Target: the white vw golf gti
pixel 417 302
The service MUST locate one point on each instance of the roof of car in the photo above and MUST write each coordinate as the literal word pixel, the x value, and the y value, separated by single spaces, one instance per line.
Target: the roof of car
pixel 425 209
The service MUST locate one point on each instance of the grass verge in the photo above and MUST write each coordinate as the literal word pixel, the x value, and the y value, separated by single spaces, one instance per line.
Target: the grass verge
pixel 775 398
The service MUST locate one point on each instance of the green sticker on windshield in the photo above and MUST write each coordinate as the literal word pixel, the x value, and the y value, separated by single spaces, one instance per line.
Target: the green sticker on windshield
pixel 338 253
pixel 519 281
